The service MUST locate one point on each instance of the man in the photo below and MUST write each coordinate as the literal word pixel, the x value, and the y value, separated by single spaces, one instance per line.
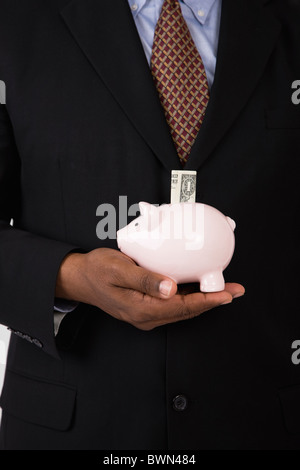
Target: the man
pixel 134 364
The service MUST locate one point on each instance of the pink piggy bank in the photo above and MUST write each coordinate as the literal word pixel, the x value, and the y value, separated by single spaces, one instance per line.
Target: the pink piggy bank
pixel 188 242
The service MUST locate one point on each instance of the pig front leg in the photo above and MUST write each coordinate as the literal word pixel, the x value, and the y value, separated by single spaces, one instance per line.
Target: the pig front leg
pixel 212 282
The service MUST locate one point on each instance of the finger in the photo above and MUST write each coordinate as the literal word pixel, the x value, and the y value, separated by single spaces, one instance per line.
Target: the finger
pixel 193 305
pixel 181 307
pixel 139 279
pixel 196 303
pixel 234 289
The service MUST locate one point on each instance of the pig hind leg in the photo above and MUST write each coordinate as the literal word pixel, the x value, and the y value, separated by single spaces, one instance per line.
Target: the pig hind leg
pixel 212 282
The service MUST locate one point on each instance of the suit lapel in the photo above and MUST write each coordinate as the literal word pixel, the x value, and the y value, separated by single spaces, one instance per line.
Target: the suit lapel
pixel 106 33
pixel 247 37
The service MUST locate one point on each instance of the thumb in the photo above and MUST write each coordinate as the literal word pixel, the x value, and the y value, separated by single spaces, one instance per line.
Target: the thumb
pixel 150 283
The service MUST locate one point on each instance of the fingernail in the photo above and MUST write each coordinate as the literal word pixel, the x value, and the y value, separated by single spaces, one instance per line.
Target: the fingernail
pixel 239 294
pixel 229 301
pixel 165 288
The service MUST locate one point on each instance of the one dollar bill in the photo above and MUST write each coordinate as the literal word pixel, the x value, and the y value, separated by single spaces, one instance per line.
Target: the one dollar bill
pixel 183 186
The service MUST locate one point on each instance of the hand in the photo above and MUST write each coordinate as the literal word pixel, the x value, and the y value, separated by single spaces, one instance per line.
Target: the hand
pixel 112 281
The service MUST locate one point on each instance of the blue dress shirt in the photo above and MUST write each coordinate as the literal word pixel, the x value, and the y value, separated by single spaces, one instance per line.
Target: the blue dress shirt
pixel 203 20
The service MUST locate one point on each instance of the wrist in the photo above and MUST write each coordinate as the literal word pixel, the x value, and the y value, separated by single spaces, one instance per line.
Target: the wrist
pixel 69 278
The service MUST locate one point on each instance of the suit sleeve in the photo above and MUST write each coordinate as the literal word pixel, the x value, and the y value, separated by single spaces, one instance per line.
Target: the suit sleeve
pixel 28 263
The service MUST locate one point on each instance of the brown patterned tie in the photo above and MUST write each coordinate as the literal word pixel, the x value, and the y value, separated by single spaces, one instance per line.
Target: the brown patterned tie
pixel 180 77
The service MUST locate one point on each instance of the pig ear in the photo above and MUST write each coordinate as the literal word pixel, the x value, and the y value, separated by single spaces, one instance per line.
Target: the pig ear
pixel 231 223
pixel 146 208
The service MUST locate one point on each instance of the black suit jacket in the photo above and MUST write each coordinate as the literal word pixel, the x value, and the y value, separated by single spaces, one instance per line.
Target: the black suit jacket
pixel 82 126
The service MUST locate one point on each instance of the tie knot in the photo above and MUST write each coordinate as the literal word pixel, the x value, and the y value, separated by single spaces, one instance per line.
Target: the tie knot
pixel 172 3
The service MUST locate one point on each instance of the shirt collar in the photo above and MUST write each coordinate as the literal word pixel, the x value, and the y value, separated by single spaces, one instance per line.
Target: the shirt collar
pixel 200 8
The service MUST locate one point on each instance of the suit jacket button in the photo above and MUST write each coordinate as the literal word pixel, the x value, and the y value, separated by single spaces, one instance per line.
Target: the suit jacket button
pixel 28 338
pixel 180 403
pixel 37 343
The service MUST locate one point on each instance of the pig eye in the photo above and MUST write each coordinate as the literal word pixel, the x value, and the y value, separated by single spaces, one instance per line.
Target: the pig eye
pixel 136 225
